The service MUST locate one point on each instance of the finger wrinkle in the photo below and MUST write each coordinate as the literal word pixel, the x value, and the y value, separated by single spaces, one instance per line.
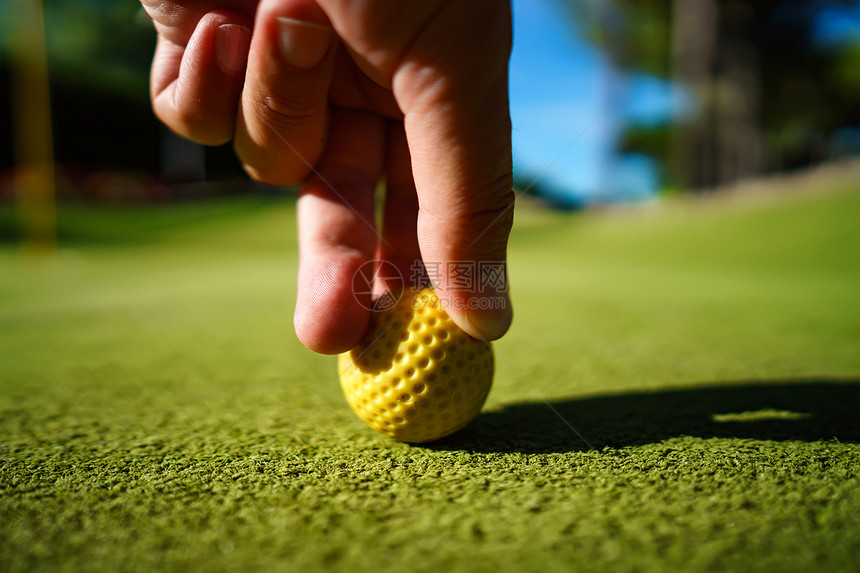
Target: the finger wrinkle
pixel 452 205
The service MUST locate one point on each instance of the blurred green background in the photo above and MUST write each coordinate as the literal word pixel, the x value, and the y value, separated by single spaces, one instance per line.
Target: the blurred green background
pixel 695 320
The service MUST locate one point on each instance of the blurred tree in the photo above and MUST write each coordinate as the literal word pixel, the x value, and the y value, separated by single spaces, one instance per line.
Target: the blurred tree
pixel 99 53
pixel 769 94
pixel 104 45
pixel 34 177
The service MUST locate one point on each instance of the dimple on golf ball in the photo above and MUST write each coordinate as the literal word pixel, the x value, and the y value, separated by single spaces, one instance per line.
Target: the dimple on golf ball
pixel 416 376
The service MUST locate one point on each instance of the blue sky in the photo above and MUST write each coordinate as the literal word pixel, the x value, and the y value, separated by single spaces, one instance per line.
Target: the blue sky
pixel 556 88
pixel 564 118
pixel 838 24
pixel 561 85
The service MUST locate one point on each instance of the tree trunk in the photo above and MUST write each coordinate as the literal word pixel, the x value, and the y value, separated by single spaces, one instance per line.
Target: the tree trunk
pixel 693 151
pixel 737 109
pixel 33 136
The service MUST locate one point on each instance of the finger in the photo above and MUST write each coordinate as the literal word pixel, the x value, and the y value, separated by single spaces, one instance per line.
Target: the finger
pixel 399 245
pixel 352 88
pixel 176 20
pixel 281 128
pixel 454 93
pixel 337 234
pixel 195 87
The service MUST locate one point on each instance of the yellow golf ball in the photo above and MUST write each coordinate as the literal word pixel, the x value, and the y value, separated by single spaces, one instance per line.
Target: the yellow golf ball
pixel 416 376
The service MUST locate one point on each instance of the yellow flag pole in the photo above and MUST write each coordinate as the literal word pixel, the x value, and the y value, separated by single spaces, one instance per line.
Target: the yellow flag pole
pixel 33 138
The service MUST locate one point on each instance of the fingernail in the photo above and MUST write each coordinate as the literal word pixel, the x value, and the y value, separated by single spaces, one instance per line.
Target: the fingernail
pixel 231 47
pixel 303 44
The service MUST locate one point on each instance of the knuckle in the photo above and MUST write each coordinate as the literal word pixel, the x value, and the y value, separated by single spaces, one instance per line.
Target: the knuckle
pixel 278 144
pixel 289 112
pixel 489 229
pixel 498 195
pixel 482 234
pixel 165 12
pixel 485 200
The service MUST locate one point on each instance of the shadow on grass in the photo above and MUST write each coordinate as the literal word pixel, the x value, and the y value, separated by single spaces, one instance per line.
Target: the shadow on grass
pixel 807 410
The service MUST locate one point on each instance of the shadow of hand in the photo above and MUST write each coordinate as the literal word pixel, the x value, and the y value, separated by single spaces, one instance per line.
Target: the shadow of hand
pixel 807 410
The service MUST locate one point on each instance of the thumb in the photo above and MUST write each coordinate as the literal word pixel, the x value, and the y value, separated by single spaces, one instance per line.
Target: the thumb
pixel 453 88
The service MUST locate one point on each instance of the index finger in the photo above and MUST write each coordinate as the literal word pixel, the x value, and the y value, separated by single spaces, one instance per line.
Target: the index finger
pixel 453 89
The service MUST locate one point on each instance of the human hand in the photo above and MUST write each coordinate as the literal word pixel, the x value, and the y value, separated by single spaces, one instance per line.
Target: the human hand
pixel 340 95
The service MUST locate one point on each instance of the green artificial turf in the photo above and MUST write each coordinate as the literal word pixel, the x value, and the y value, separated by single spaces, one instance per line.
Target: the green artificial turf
pixel 158 413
